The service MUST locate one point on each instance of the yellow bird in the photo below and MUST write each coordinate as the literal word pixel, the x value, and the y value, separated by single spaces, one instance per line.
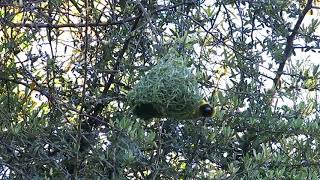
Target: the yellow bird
pixel 205 109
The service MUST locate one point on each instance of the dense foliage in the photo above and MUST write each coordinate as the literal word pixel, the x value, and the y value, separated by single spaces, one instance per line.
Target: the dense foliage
pixel 66 68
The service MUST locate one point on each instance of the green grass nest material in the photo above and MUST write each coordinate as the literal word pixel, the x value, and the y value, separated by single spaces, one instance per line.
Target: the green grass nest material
pixel 168 90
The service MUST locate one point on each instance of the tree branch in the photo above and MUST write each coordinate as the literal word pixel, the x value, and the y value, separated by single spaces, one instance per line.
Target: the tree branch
pixel 289 45
pixel 70 25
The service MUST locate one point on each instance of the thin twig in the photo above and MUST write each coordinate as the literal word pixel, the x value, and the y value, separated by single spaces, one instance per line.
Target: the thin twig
pixel 98 108
pixel 145 14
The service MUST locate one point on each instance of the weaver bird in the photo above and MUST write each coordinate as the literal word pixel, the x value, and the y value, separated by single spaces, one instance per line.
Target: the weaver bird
pixel 206 110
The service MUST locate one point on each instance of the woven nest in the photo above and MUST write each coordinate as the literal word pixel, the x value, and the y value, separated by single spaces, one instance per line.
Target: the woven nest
pixel 168 90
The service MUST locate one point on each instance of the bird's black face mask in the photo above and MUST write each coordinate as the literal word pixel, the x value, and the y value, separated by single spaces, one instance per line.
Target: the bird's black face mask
pixel 206 110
